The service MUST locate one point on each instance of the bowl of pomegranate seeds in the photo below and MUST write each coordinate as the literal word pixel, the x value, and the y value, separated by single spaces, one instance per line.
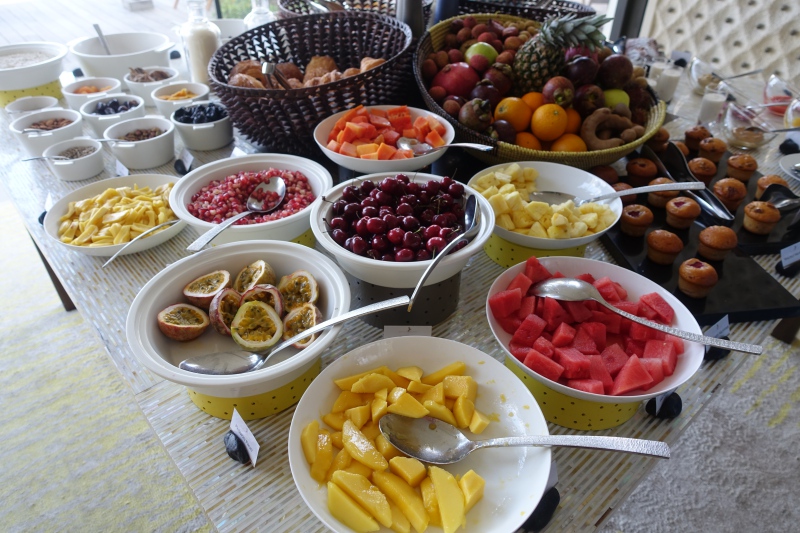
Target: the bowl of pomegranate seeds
pixel 219 190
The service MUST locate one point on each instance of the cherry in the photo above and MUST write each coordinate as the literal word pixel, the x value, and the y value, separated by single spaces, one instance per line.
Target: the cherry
pixel 388 257
pixel 380 243
pixel 432 187
pixel 409 199
pixel 350 194
pixel 447 181
pixel 376 225
pixel 369 201
pixel 338 207
pixel 456 190
pixel 414 188
pixel 384 198
pixel 402 177
pixel 359 245
pixel 426 217
pixel 431 231
pixel 395 235
pixel 391 220
pixel 369 211
pixel 340 236
pixel 444 233
pixel 386 210
pixel 350 211
pixel 423 255
pixel 338 223
pixel 366 186
pixel 361 227
pixel 404 210
pixel 404 255
pixel 412 240
pixel 410 223
pixel 434 244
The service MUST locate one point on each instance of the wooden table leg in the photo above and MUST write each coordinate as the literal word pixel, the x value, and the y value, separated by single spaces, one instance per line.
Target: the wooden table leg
pixel 65 299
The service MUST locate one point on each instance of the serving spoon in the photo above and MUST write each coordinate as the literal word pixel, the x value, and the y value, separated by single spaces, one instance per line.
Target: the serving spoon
pixel 419 149
pixel 576 290
pixel 471 214
pixel 254 205
pixel 431 440
pixel 553 197
pixel 47 157
pixel 224 363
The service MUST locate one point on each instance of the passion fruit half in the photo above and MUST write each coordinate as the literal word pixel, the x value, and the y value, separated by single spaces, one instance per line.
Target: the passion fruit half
pixel 202 290
pixel 256 273
pixel 300 319
pixel 182 322
pixel 298 288
pixel 269 294
pixel 256 326
pixel 223 309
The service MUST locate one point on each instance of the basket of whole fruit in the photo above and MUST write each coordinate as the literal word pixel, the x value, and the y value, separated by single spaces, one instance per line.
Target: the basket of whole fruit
pixel 534 10
pixel 536 91
pixel 293 8
pixel 330 62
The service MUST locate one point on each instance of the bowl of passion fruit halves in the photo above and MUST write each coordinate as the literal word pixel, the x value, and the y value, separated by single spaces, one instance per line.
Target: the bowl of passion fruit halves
pixel 239 297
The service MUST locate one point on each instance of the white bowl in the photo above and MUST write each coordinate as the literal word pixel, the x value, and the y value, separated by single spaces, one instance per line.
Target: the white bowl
pixel 76 100
pixel 391 274
pixel 515 477
pixel 149 153
pixel 636 285
pixel 206 136
pixel 558 178
pixel 284 229
pixel 368 166
pixel 167 107
pixel 162 355
pixel 100 123
pixel 81 168
pixel 127 50
pixel 14 79
pixel 59 209
pixel 145 89
pixel 30 104
pixel 36 143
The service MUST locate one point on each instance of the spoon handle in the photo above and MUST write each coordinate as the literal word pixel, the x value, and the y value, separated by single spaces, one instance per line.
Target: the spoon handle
pixel 784 130
pixel 141 235
pixel 211 234
pixel 652 448
pixel 694 337
pixel 474 146
pixel 677 186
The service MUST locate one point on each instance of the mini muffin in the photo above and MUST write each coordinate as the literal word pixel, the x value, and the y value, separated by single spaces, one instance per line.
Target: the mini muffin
pixel 635 220
pixel 730 192
pixel 663 246
pixel 716 241
pixel 658 142
pixel 660 199
pixel 696 278
pixel 703 169
pixel 682 147
pixel 760 217
pixel 712 149
pixel 640 171
pixel 765 181
pixel 682 212
pixel 605 173
pixel 694 135
pixel 741 166
pixel 626 200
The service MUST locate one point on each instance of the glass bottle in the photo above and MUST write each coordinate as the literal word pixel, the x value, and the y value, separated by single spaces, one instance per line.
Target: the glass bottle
pixel 260 14
pixel 201 38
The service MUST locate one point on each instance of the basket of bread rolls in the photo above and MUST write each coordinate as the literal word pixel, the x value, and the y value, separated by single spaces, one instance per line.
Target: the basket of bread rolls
pixel 323 64
pixel 293 8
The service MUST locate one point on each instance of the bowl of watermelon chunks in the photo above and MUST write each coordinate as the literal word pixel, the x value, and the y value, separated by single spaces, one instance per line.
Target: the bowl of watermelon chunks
pixel 583 350
pixel 364 139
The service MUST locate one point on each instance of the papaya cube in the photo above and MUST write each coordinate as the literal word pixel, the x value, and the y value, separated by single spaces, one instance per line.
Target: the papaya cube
pixel 367 149
pixel 371 155
pixel 385 152
pixel 436 125
pixel 434 139
pixel 333 146
pixel 411 470
pixel 455 386
pixel 347 511
pixel 471 485
pixel 348 149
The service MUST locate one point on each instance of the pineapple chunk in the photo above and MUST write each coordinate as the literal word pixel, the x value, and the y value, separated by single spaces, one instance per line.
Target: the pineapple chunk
pixel 522 219
pixel 559 220
pixel 472 486
pixel 507 189
pixel 478 423
pixel 455 386
pixel 453 369
pixel 530 174
pixel 324 456
pixel 407 405
pixel 515 171
pixel 430 502
pixel 515 201
pixel 361 449
pixel 590 219
pixel 537 230
pixel 557 232
pixel 372 383
pixel 439 411
pixel 365 494
pixel 491 191
pixel 411 470
pixel 538 210
pixel 347 511
pixel 308 440
pixel 499 204
pixel 505 221
pixel 502 178
pixel 450 498
pixel 405 497
pixel 578 229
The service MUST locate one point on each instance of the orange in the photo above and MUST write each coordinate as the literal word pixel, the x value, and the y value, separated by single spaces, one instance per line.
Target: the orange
pixel 527 140
pixel 515 111
pixel 569 142
pixel 533 99
pixel 573 121
pixel 549 122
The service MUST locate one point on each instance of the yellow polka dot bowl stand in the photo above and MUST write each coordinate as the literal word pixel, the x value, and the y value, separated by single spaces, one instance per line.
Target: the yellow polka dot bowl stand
pixel 30 69
pixel 507 254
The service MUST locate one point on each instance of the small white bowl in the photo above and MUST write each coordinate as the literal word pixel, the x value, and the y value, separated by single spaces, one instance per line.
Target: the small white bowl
pixel 145 89
pixel 76 100
pixel 30 104
pixel 206 136
pixel 36 143
pixel 369 166
pixel 149 153
pixel 166 107
pixel 100 123
pixel 81 168
pixel 394 274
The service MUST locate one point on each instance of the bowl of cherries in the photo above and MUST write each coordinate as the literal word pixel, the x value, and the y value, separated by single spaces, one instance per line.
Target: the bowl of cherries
pixel 386 228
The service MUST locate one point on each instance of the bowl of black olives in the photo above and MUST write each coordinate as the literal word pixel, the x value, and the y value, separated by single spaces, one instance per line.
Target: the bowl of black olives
pixel 203 125
pixel 109 110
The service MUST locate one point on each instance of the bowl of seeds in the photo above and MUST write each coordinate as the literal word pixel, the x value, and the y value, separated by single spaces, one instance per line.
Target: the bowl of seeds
pixel 145 142
pixel 76 159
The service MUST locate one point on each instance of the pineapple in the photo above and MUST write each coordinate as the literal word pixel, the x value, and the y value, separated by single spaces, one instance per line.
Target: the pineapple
pixel 542 56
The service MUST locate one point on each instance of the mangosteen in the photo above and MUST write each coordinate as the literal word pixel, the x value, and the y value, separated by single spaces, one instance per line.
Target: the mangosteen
pixel 486 91
pixel 476 115
pixel 581 70
pixel 502 130
pixel 501 76
pixel 615 71
pixel 588 98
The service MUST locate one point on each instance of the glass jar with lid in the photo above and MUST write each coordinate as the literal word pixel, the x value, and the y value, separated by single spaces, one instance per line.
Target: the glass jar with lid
pixel 260 14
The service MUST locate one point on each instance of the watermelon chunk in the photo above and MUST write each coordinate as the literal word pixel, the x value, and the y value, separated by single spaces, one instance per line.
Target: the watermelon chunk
pixel 583 342
pixel 554 314
pixel 535 271
pixel 506 302
pixel 586 385
pixel 576 365
pixel 544 347
pixel 510 324
pixel 521 282
pixel 645 311
pixel 598 371
pixel 614 357
pixel 644 333
pixel 578 311
pixel 528 306
pixel 612 322
pixel 628 307
pixel 588 278
pixel 660 306
pixel 634 347
pixel 656 371
pixel 663 350
pixel 542 365
pixel 529 330
pixel 563 335
pixel 597 332
pixel 679 346
pixel 607 289
pixel 632 376
pixel 621 292
pixel 518 350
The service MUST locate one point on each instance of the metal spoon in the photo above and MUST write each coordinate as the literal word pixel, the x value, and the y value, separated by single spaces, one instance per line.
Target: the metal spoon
pixel 471 214
pixel 140 236
pixel 576 290
pixel 407 143
pixel 254 205
pixel 102 38
pixel 48 157
pixel 431 440
pixel 553 197
pixel 224 363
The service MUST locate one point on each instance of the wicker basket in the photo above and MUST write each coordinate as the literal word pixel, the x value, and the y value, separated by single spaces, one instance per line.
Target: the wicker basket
pixel 284 120
pixel 293 8
pixel 532 10
pixel 503 153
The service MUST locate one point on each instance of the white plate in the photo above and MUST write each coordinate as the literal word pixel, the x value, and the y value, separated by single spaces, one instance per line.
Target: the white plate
pixel 515 477
pixel 636 285
pixel 59 209
pixel 787 164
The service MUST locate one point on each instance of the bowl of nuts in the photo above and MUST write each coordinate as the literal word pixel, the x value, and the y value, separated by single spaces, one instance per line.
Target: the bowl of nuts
pixel 76 159
pixel 101 113
pixel 145 142
pixel 143 81
pixel 38 131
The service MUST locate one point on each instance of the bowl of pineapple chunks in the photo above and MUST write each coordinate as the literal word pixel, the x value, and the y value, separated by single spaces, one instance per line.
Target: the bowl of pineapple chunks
pixel 538 225
pixel 352 479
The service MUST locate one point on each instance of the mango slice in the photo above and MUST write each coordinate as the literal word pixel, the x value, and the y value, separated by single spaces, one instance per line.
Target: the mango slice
pixel 479 422
pixel 453 369
pixel 308 440
pixel 372 383
pixel 412 373
pixel 324 458
pixel 440 411
pixel 471 485
pixel 405 497
pixel 455 386
pixel 463 410
pixel 347 511
pixel 346 400
pixel 430 502
pixel 407 405
pixel 450 498
pixel 365 494
pixel 400 523
pixel 361 449
pixel 409 469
